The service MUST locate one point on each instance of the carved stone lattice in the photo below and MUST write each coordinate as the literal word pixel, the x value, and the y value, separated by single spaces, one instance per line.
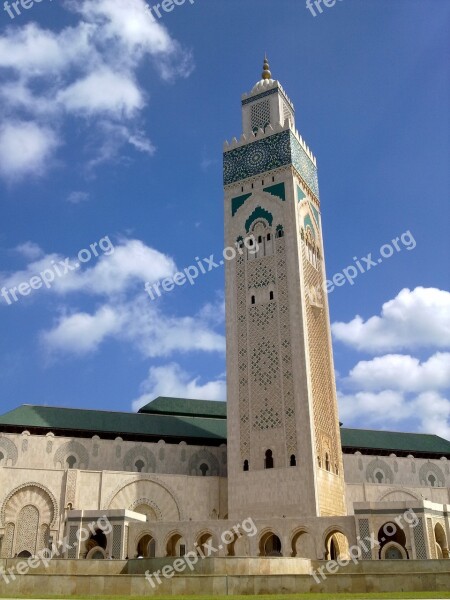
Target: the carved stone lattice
pixel 72 448
pixel 206 457
pixel 7 546
pixel 260 114
pixel 321 368
pixel 71 487
pixel 419 541
pixel 27 530
pixel 9 449
pixel 139 453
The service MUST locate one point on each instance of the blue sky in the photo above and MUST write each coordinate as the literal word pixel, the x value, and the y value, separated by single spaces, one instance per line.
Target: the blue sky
pixel 111 126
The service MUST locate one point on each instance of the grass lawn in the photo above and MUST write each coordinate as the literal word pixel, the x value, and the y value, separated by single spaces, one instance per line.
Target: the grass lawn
pixel 374 596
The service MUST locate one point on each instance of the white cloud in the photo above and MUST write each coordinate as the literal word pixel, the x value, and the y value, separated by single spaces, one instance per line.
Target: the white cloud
pixel 434 413
pixel 34 52
pixel 382 409
pixel 402 372
pixel 78 197
pixel 428 412
pixel 103 92
pixel 132 263
pixel 170 380
pixel 82 333
pixel 413 319
pixel 29 250
pixel 399 391
pixel 137 322
pixel 129 23
pixel 158 335
pixel 25 149
pixel 89 70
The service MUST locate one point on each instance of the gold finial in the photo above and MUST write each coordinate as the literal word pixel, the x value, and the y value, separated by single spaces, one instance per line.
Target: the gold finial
pixel 266 74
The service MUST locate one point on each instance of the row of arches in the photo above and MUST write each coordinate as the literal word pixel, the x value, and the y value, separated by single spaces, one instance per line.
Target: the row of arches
pixel 302 544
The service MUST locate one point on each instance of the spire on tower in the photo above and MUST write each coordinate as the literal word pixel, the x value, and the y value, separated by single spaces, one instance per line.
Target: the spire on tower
pixel 266 74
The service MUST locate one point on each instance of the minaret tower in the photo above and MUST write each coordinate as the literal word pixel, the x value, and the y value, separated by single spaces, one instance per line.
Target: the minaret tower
pixel 284 446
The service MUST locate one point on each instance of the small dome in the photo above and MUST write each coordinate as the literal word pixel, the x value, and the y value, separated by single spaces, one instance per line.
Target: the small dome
pixel 262 85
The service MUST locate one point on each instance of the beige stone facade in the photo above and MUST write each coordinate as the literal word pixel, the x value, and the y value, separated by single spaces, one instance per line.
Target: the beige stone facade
pixel 282 468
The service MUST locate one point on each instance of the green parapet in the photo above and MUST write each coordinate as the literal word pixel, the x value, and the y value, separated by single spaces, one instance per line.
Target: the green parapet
pixel 237 202
pixel 278 190
pixel 258 213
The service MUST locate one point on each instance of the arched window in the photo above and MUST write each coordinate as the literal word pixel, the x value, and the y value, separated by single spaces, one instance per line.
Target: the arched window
pixel 71 461
pixel 204 469
pixel 327 461
pixel 271 296
pixel 245 465
pixel 253 300
pixel 2 457
pixel 268 463
pixel 259 239
pixel 432 480
pixel 293 462
pixel 139 464
pixel 379 476
pixel 268 237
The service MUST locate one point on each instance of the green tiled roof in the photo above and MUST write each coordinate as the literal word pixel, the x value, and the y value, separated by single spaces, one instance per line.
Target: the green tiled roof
pixel 115 423
pixel 395 441
pixel 183 406
pixel 200 421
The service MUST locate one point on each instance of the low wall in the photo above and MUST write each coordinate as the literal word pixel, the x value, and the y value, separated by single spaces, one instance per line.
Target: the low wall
pixel 92 578
pixel 228 566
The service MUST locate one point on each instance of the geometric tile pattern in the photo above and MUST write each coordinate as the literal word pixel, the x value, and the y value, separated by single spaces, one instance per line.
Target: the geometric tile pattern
pixel 278 190
pixel 237 202
pixel 278 150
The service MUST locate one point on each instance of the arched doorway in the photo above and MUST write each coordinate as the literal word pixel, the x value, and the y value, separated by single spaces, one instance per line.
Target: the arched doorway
pixel 270 545
pixel 336 546
pixel 146 547
pixel 96 545
pixel 441 541
pixel 392 542
pixel 303 545
pixel 393 551
pixel 176 545
pixel 203 543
